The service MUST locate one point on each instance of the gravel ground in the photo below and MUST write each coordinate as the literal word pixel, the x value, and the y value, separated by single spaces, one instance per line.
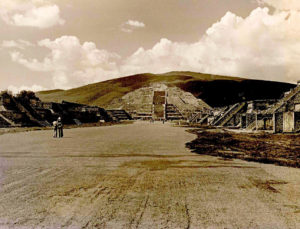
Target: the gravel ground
pixel 137 176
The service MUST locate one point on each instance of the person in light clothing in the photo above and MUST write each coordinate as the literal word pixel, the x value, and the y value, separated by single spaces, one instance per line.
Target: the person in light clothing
pixel 54 129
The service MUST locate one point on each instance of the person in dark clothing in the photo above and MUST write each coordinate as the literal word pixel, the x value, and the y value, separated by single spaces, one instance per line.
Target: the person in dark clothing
pixel 60 127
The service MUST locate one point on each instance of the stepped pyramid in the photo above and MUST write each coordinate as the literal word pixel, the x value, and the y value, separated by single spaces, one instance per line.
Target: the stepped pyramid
pixel 159 101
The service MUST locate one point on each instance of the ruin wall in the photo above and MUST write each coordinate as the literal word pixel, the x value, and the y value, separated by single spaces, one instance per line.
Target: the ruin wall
pixel 297 121
pixel 278 122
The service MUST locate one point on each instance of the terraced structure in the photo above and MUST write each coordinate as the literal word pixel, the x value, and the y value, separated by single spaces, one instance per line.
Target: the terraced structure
pixel 158 102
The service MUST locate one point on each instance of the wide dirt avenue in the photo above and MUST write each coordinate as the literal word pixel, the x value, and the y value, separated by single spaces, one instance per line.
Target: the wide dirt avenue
pixel 137 176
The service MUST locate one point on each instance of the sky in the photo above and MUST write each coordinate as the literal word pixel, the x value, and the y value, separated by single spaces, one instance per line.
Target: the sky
pixel 49 44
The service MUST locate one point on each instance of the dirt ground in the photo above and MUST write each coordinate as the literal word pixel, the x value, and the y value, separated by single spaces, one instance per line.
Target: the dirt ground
pixel 137 176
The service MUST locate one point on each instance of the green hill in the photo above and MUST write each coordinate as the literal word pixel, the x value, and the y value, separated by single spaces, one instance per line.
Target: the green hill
pixel 213 89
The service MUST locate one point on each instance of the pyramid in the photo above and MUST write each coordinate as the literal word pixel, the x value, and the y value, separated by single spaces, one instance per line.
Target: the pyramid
pixel 159 101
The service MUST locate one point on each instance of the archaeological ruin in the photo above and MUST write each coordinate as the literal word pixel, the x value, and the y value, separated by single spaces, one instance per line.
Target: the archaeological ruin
pixel 25 109
pixel 286 113
pixel 160 102
pixel 157 102
pixel 279 116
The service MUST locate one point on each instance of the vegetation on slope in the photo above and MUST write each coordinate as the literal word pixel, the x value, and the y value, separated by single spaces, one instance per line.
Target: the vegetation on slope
pixel 213 89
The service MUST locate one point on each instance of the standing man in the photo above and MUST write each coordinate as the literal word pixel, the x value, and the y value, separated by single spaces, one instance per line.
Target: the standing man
pixel 60 127
pixel 55 129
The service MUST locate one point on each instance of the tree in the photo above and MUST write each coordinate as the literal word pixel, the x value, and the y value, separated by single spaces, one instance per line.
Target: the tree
pixel 26 95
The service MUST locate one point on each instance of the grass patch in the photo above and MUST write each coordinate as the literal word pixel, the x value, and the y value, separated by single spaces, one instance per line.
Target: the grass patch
pixel 280 149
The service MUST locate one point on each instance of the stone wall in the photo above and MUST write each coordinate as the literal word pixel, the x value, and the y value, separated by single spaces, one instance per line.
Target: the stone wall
pixel 137 103
pixel 297 98
pixel 235 120
pixel 297 121
pixel 21 111
pixel 186 103
pixel 288 122
pixel 250 118
pixel 3 123
pixel 278 122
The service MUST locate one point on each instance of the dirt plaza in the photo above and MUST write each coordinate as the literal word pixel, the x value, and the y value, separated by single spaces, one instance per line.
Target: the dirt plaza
pixel 137 176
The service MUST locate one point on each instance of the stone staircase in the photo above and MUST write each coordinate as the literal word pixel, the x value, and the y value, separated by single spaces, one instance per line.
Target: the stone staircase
pixel 203 119
pixel 158 111
pixel 159 100
pixel 219 117
pixel 144 112
pixel 288 96
pixel 119 114
pixel 29 114
pixel 11 115
pixel 143 115
pixel 195 117
pixel 4 122
pixel 172 112
pixel 229 114
pixel 252 126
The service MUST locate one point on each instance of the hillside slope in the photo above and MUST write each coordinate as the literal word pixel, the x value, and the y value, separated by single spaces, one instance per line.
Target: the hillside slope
pixel 213 89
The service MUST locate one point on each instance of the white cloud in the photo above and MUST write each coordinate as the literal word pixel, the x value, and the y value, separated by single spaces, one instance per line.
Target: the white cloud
pixel 41 17
pixel 16 90
pixel 19 44
pixel 31 13
pixel 72 63
pixel 134 23
pixel 126 30
pixel 130 25
pixel 262 45
pixel 32 64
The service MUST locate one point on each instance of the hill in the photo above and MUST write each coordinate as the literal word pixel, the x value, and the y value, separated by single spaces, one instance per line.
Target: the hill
pixel 215 90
